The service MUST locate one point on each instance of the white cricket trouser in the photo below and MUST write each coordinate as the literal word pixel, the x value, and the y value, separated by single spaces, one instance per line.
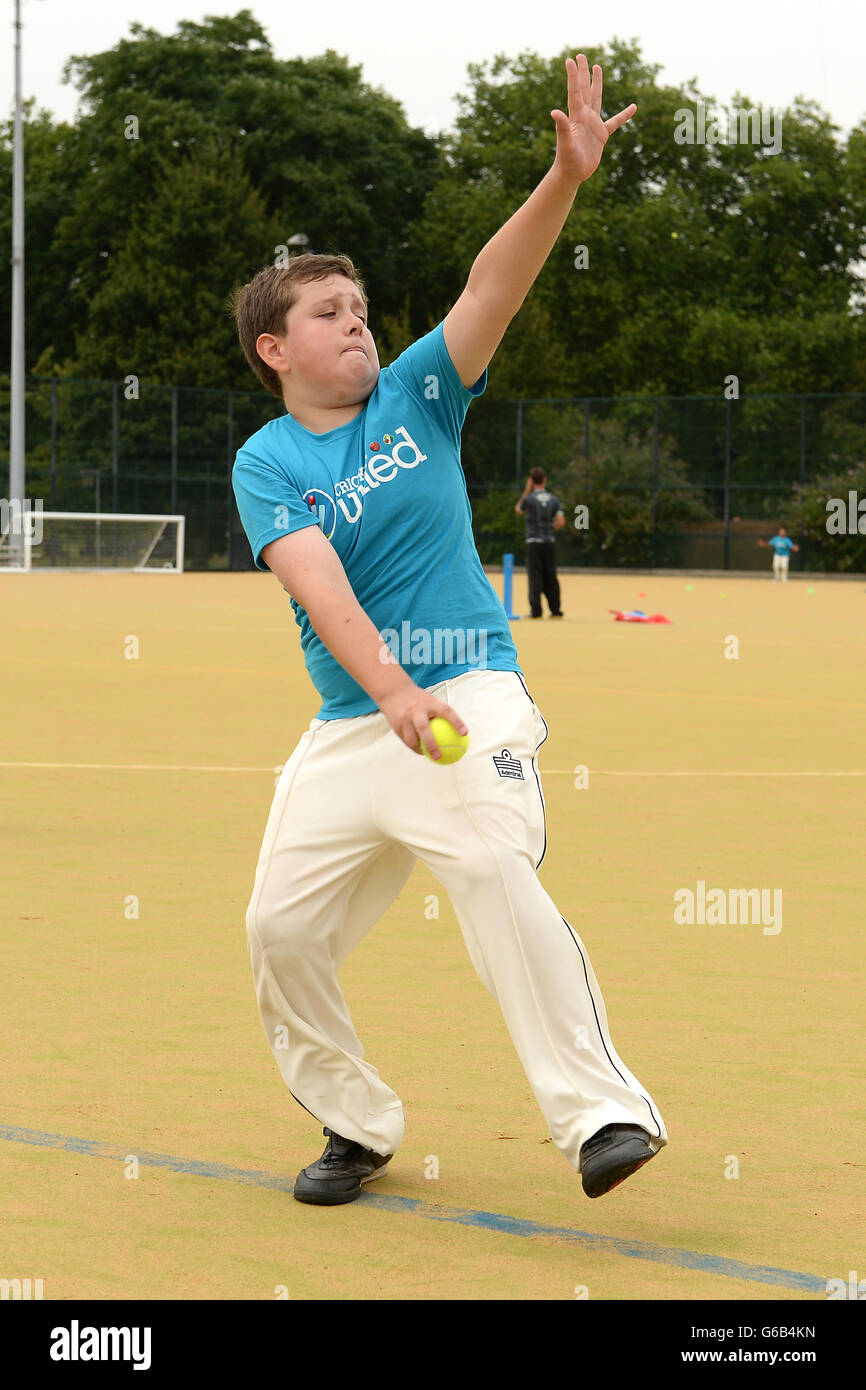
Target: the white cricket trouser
pixel 353 809
pixel 780 567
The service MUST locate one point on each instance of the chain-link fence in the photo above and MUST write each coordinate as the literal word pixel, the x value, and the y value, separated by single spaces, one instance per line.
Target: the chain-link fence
pixel 645 481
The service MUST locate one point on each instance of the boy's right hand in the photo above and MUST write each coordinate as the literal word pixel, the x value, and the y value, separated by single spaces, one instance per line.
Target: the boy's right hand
pixel 409 712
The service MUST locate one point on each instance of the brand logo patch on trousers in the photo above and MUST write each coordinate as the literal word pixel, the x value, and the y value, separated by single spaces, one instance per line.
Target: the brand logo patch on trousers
pixel 507 766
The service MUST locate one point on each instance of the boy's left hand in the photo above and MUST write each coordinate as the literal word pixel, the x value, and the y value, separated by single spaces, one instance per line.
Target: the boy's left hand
pixel 582 135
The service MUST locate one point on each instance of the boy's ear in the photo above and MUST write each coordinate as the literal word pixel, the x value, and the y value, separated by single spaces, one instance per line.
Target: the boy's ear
pixel 270 351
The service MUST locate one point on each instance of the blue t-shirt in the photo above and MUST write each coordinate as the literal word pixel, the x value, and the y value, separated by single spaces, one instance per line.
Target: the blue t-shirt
pixel 782 545
pixel 389 493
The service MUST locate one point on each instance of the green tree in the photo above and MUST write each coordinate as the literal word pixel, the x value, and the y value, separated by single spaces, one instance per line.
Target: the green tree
pixel 328 155
pixel 703 260
pixel 53 171
pixel 637 500
pixel 160 310
pixel 808 513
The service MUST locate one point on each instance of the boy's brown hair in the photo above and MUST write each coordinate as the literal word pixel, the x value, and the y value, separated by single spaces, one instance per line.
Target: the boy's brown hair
pixel 261 306
pixel 537 475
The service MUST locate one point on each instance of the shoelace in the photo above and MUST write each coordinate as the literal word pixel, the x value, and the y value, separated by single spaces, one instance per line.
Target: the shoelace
pixel 338 1147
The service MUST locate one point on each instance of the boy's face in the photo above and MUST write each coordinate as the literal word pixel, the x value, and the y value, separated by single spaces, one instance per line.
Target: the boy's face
pixel 328 348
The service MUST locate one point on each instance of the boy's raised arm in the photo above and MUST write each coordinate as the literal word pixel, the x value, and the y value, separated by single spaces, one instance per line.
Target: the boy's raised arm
pixel 504 271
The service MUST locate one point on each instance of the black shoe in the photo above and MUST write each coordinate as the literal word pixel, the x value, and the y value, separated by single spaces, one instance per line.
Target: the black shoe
pixel 611 1156
pixel 535 615
pixel 557 615
pixel 336 1177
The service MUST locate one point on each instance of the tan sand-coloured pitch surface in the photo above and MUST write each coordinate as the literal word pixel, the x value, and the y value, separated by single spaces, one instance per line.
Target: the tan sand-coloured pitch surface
pixel 141 1036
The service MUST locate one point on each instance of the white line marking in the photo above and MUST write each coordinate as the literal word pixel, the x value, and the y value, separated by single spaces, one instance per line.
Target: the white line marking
pixel 548 772
pixel 605 772
pixel 144 767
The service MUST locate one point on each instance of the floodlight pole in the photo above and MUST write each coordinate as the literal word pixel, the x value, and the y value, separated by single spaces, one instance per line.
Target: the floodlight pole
pixel 16 406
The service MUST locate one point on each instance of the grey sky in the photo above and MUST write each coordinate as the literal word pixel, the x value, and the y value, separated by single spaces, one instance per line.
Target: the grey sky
pixel 769 50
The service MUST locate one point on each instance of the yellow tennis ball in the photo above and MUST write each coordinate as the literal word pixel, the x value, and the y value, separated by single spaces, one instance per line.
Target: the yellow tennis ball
pixel 451 744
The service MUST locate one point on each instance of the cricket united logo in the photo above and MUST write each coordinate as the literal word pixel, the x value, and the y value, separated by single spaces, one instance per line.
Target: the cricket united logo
pixel 322 504
pixel 349 493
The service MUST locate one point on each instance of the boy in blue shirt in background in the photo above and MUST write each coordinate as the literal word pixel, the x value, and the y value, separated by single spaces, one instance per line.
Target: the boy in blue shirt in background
pixel 356 501
pixel 781 546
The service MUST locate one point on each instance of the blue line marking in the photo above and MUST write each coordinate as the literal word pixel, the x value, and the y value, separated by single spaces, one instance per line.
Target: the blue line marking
pixel 485 1220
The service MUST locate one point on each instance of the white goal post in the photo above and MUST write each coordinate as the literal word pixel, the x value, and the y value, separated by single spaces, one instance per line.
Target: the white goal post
pixel 84 542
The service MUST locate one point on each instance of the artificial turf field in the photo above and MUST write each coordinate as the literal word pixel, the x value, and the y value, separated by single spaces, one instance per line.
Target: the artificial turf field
pixel 126 1035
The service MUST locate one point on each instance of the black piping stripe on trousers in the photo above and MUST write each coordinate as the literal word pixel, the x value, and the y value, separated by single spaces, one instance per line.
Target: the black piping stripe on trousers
pixel 535 770
pixel 655 1120
pixel 573 935
pixel 568 926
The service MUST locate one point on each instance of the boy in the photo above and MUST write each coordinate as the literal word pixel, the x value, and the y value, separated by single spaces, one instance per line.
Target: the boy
pixel 781 545
pixel 356 501
pixel 544 515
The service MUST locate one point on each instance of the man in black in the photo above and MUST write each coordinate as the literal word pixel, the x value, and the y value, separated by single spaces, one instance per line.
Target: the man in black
pixel 544 515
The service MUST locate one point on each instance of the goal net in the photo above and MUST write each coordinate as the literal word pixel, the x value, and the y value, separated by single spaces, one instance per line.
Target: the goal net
pixel 122 542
